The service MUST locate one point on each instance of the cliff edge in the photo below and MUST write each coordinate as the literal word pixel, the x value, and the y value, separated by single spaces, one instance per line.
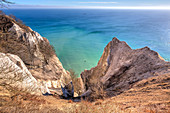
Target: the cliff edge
pixel 121 67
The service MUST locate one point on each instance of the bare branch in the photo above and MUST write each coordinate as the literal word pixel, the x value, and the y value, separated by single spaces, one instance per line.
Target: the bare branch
pixel 5 3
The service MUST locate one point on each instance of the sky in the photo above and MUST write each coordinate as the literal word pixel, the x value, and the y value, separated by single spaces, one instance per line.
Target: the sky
pixel 106 4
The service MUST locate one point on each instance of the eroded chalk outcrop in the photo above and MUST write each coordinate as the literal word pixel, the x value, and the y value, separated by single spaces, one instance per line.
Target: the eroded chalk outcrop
pixel 15 76
pixel 120 67
pixel 34 50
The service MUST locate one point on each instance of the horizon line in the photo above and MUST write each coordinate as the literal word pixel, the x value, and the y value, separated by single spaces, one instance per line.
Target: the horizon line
pixel 87 7
pixel 98 2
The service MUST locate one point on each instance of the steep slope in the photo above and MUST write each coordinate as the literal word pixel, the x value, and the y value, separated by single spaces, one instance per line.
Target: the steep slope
pixel 147 96
pixel 34 50
pixel 120 67
pixel 15 77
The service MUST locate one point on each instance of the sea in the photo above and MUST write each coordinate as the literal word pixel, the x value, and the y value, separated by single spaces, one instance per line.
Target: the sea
pixel 80 35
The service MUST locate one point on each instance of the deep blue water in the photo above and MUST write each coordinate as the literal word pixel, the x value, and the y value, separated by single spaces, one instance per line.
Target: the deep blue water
pixel 79 36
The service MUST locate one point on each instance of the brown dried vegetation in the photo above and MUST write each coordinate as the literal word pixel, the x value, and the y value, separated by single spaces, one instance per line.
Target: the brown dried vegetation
pixel 46 49
pixel 10 43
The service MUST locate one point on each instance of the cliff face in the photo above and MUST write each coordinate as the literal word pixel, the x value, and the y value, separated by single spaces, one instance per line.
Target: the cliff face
pixel 15 77
pixel 120 67
pixel 34 50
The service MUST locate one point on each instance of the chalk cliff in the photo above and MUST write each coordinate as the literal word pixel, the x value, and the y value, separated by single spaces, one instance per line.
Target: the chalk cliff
pixel 34 50
pixel 15 76
pixel 120 67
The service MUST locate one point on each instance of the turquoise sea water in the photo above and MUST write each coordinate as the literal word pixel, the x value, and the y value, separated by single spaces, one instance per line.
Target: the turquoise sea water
pixel 79 36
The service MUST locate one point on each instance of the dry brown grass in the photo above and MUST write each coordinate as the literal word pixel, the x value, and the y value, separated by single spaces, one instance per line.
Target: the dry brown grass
pixel 11 43
pixel 97 107
pixel 27 103
pixel 127 103
pixel 46 49
pixel 150 95
pixel 13 46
